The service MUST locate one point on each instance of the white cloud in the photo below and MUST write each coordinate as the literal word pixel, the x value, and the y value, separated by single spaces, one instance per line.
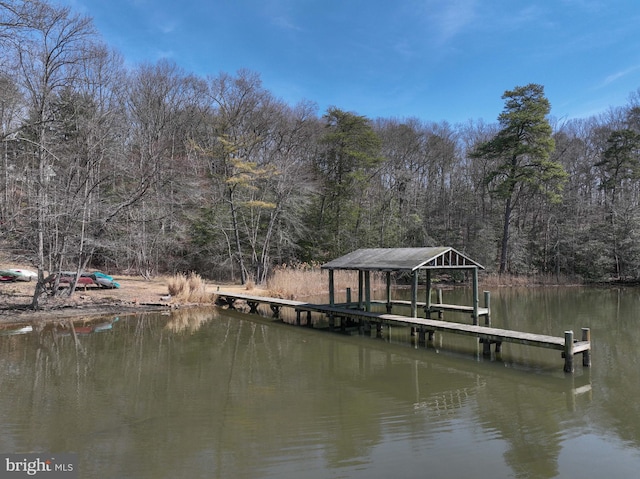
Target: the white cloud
pixel 617 75
pixel 451 17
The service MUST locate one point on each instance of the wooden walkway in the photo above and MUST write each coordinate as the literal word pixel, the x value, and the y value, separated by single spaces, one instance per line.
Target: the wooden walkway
pixel 487 335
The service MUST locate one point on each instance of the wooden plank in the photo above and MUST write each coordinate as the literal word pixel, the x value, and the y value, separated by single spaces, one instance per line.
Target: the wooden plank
pixel 438 306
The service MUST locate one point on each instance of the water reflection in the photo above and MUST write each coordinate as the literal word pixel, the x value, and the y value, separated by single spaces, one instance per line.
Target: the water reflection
pixel 204 394
pixel 190 320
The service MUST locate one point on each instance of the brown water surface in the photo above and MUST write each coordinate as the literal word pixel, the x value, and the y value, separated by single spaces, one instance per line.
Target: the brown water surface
pixel 219 394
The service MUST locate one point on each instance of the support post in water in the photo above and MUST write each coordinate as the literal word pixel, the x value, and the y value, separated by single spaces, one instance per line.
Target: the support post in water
pixel 414 294
pixel 476 300
pixel 487 304
pixel 568 351
pixel 486 346
pixel 253 307
pixel 586 355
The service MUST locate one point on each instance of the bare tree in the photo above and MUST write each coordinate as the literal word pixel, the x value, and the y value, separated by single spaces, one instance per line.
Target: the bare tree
pixel 50 47
pixel 164 107
pixel 11 110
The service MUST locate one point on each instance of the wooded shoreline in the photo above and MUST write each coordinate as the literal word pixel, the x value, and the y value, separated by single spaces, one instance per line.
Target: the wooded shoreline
pixel 152 169
pixel 140 295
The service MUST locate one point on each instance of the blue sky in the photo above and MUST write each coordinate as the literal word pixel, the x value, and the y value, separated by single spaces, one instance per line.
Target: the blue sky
pixel 431 59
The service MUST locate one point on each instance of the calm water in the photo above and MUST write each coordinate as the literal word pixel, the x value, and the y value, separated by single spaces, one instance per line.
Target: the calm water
pixel 206 394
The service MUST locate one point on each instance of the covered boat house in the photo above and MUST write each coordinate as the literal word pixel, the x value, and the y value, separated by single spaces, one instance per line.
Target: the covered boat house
pixel 410 261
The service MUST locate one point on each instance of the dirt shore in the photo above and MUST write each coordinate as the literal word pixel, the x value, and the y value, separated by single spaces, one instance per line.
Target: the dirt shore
pixel 135 294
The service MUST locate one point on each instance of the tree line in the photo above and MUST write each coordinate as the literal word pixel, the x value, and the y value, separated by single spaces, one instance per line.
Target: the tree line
pixel 152 169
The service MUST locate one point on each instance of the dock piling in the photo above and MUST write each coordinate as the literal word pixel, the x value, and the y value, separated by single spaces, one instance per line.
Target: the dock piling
pixel 568 351
pixel 487 305
pixel 586 355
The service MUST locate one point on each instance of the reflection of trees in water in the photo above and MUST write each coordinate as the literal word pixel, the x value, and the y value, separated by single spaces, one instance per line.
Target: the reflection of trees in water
pixel 616 366
pixel 612 316
pixel 162 392
pixel 534 439
pixel 531 414
pixel 190 320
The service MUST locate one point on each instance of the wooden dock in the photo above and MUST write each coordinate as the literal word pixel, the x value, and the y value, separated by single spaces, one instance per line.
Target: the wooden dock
pixel 568 345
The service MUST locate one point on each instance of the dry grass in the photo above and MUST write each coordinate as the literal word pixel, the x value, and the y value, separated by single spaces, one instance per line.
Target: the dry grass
pixel 309 280
pixel 190 288
pixel 294 282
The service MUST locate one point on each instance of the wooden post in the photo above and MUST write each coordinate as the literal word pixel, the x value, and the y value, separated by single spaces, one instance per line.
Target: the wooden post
pixel 414 294
pixel 388 277
pixel 586 355
pixel 348 297
pixel 476 300
pixel 428 302
pixel 309 323
pixel 298 317
pixel 360 283
pixel 367 291
pixel 487 304
pixel 486 346
pixel 568 351
pixel 332 298
pixel 440 301
pixel 367 327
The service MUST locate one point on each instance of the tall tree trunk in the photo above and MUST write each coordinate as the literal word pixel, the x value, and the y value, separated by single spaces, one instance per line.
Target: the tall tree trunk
pixel 41 205
pixel 236 232
pixel 504 247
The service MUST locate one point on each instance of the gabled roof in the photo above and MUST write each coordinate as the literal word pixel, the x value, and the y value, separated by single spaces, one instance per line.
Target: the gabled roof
pixel 402 259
